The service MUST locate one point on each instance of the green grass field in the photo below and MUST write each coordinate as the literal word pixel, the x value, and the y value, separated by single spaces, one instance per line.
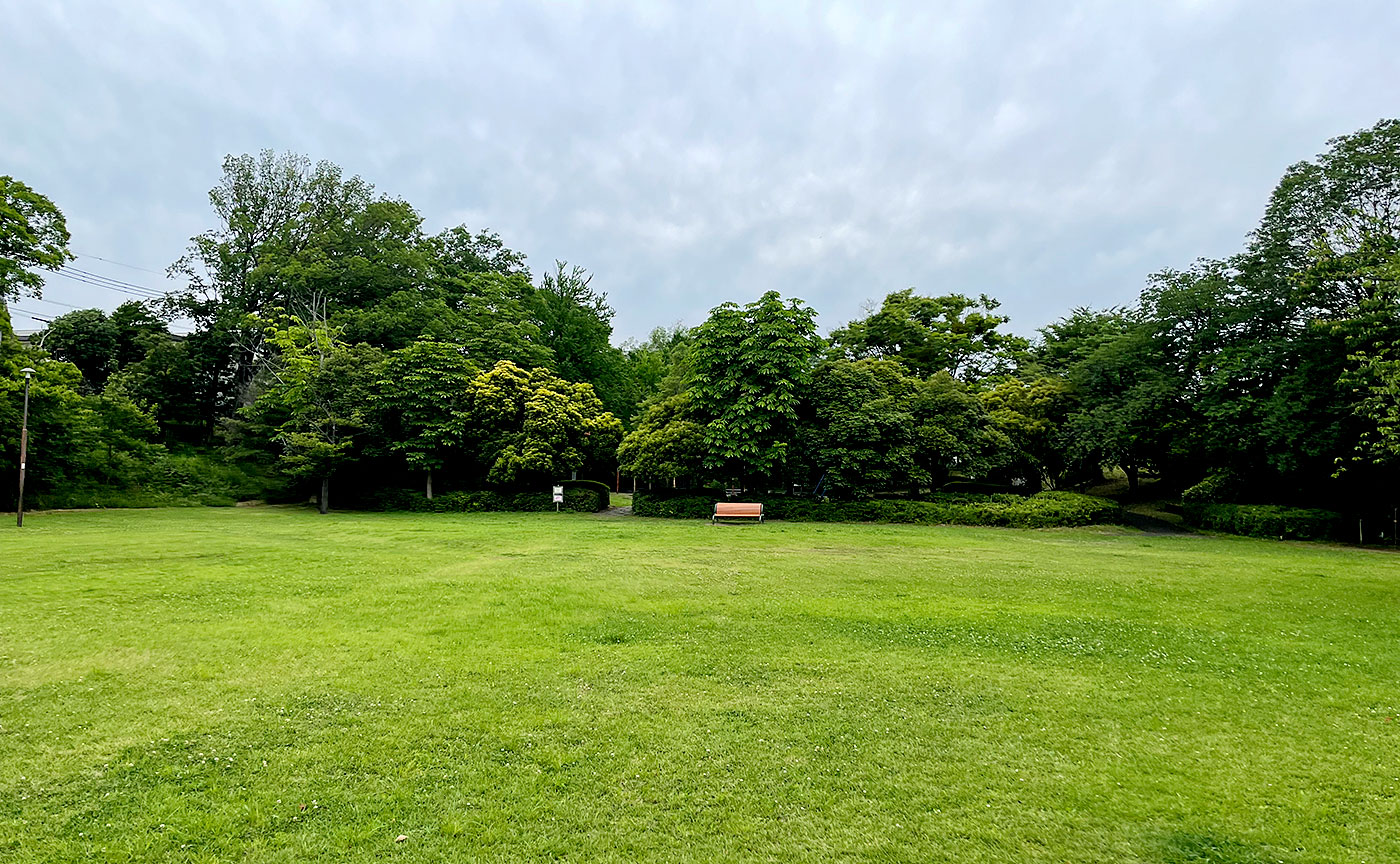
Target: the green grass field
pixel 265 684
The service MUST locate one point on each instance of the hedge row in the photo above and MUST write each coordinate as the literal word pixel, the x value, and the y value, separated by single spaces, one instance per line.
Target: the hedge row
pixel 577 499
pixel 597 487
pixel 1044 510
pixel 1266 520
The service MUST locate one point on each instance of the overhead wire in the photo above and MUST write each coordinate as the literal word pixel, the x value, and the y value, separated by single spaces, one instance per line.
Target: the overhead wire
pixel 118 263
pixel 144 294
pixel 78 272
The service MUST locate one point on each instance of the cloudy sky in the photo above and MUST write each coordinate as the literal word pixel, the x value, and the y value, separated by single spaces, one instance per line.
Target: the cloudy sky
pixel 1049 154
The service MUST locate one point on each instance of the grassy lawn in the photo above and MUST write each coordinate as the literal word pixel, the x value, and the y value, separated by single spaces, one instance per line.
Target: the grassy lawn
pixel 270 685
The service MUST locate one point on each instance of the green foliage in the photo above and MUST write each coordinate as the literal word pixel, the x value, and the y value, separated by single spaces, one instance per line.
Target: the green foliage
pixel 577 499
pixel 669 441
pixel 1045 510
pixel 1219 487
pixel 532 426
pixel 33 234
pixel 1032 414
pixel 597 487
pixel 871 427
pixel 575 324
pixel 315 397
pixel 1130 407
pixel 751 366
pixel 87 339
pixel 950 333
pixel 1266 520
pixel 420 397
pixel 660 367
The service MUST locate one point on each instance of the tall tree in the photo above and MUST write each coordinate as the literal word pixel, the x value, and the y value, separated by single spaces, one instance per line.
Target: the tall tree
pixel 952 333
pixel 316 395
pixel 33 234
pixel 531 426
pixel 87 339
pixel 421 396
pixel 752 364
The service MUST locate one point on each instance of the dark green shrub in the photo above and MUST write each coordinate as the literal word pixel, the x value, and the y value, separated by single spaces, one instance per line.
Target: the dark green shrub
pixel 576 500
pixel 671 506
pixel 1044 510
pixel 1220 487
pixel 1266 520
pixel 970 487
pixel 598 488
pixel 159 479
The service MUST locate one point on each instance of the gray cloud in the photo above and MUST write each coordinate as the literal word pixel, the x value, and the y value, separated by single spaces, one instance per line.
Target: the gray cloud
pixel 1051 155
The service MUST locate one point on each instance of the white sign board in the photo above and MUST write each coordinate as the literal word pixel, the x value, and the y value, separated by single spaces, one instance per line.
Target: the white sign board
pixel 558 494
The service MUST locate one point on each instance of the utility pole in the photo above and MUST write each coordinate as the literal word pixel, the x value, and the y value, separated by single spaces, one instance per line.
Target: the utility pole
pixel 23 447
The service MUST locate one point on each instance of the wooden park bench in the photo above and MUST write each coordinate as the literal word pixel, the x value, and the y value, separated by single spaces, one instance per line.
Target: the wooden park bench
pixel 736 510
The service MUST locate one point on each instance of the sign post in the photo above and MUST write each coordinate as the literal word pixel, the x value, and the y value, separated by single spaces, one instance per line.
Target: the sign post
pixel 558 497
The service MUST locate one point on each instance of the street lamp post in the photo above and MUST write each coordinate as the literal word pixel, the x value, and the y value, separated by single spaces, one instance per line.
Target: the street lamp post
pixel 23 446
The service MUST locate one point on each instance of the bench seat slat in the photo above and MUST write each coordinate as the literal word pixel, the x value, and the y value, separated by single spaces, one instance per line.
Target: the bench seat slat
pixel 738 509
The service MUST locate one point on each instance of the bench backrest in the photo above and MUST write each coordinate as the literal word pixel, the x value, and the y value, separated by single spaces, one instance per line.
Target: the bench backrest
pixel 734 508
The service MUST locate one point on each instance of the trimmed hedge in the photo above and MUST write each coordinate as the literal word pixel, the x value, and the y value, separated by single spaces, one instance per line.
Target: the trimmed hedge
pixel 598 488
pixel 1043 510
pixel 1221 487
pixel 576 500
pixel 1265 520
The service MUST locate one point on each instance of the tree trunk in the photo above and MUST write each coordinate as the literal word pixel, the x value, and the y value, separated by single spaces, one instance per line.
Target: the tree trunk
pixel 324 500
pixel 1132 471
pixel 430 484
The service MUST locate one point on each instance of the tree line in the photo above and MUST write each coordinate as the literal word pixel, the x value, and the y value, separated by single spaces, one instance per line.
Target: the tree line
pixel 334 340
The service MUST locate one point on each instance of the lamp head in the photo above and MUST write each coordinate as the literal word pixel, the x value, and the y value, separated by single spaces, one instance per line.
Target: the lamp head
pixel 27 371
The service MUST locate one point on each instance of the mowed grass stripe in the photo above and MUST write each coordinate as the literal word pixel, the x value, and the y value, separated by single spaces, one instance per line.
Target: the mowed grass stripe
pixel 176 684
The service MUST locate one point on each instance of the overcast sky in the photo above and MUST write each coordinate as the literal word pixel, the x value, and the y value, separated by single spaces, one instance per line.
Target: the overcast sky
pixel 1051 154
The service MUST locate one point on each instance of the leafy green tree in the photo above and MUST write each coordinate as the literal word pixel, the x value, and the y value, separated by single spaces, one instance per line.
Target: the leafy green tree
pixel 668 442
pixel 315 395
pixel 575 324
pixel 953 434
pixel 859 431
pixel 1130 409
pixel 138 330
pixel 458 253
pixel 1350 191
pixel 1032 413
pixel 87 339
pixel 1065 343
pixel 290 235
pixel 951 333
pixel 421 397
pixel 532 426
pixel 487 314
pixel 1369 330
pixel 33 234
pixel 661 366
pixel 752 364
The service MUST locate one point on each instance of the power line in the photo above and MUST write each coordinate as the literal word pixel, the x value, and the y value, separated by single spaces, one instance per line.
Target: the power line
pixel 118 263
pixel 56 303
pixel 130 286
pixel 148 295
pixel 37 316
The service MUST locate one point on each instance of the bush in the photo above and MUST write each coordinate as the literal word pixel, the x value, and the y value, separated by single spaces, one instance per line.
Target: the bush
pixel 599 488
pixel 1266 520
pixel 968 486
pixel 1044 510
pixel 576 500
pixel 671 506
pixel 1220 487
pixel 160 479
